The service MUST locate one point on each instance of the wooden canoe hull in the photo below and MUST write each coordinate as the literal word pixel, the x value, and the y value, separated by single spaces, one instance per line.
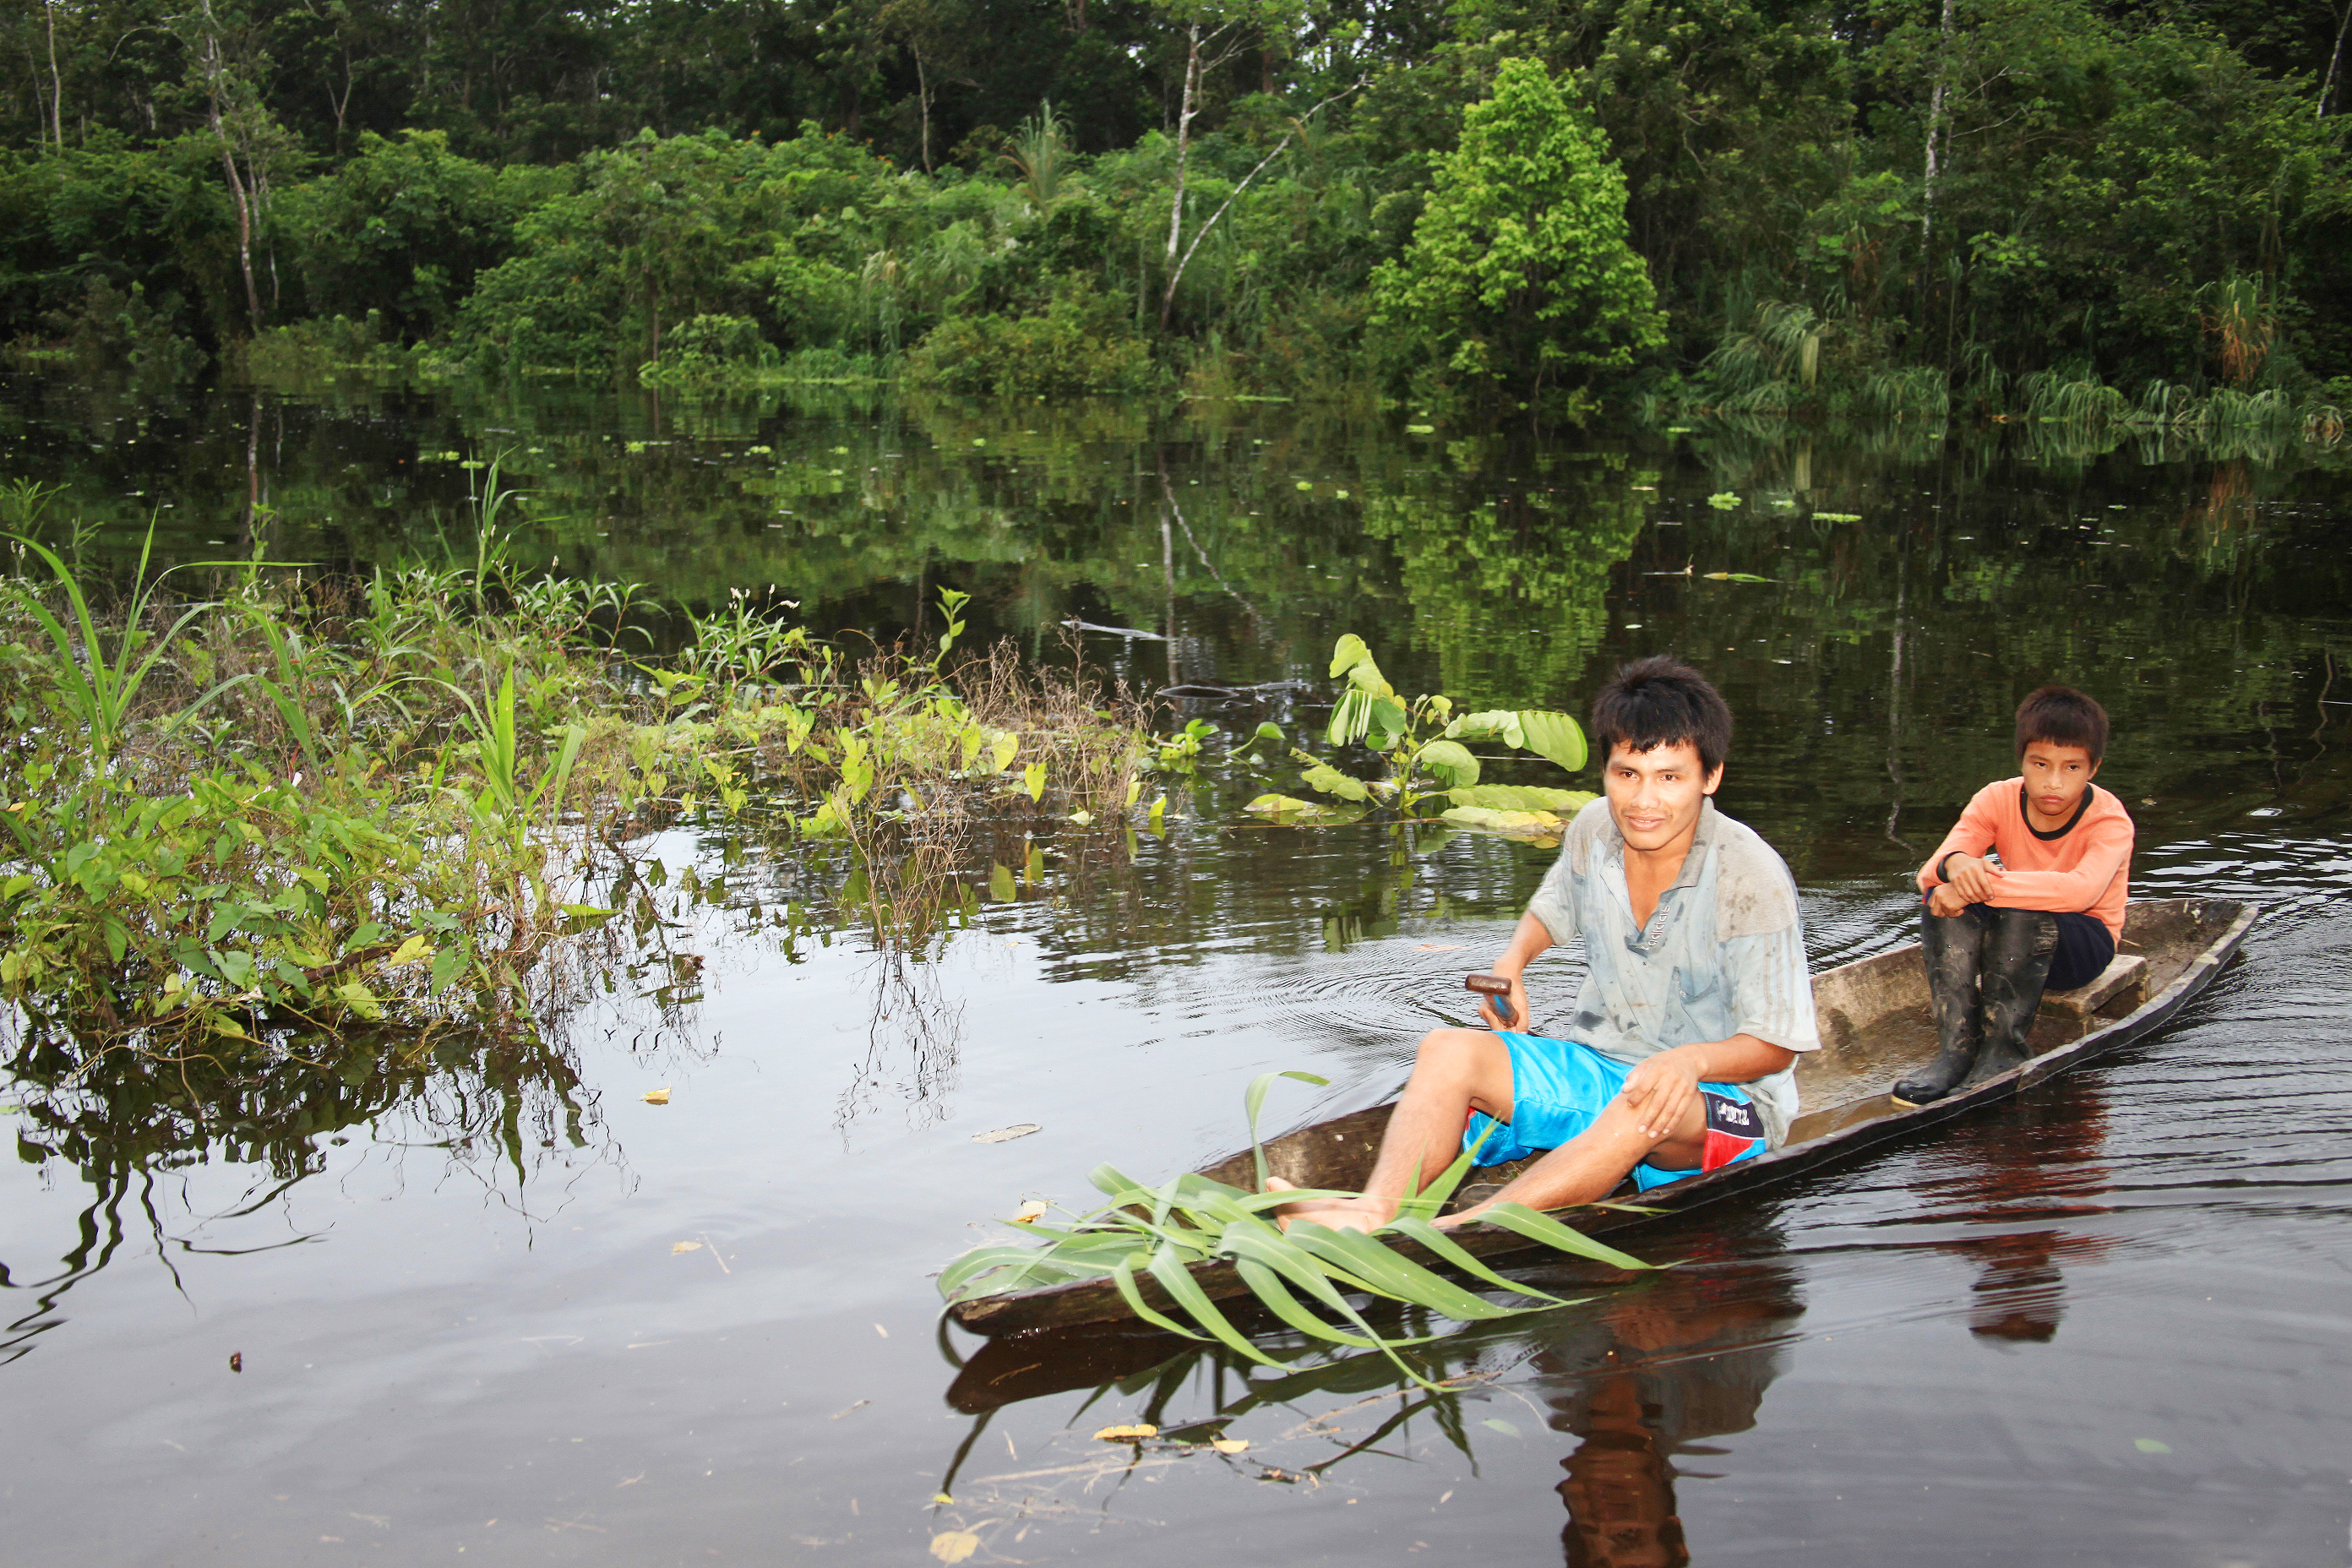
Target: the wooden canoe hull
pixel 1874 1030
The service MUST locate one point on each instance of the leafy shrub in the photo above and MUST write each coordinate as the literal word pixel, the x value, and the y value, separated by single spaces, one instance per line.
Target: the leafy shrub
pixel 1085 343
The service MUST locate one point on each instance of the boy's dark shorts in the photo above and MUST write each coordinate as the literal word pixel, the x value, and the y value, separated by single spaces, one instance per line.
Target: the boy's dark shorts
pixel 2085 947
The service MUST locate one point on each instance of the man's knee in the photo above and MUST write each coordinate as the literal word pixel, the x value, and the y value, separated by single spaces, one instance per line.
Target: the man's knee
pixel 1469 1061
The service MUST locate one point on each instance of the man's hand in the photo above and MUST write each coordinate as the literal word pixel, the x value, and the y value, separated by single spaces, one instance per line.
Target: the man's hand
pixel 1662 1092
pixel 1518 1005
pixel 1945 900
pixel 1969 876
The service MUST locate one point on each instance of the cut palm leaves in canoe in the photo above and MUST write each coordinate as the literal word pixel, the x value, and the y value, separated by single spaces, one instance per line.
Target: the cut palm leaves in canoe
pixel 1162 1233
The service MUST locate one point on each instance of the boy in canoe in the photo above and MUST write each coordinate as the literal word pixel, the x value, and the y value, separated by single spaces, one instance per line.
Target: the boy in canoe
pixel 1695 998
pixel 1994 936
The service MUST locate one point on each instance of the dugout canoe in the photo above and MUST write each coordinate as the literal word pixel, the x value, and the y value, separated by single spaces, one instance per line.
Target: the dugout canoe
pixel 1874 1030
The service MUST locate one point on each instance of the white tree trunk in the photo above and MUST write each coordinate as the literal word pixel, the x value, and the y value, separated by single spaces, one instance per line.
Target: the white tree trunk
pixel 1935 130
pixel 1186 107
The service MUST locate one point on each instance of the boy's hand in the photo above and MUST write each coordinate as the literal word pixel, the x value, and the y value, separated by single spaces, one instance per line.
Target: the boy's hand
pixel 1970 876
pixel 1945 900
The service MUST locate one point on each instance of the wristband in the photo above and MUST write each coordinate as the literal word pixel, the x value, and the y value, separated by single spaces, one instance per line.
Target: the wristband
pixel 1943 867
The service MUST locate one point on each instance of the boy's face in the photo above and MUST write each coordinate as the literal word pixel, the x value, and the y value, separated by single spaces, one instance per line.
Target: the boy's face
pixel 1655 794
pixel 2055 778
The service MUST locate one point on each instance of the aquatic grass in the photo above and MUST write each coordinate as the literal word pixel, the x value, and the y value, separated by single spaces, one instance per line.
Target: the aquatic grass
pixel 97 689
pixel 301 807
pixel 1164 1232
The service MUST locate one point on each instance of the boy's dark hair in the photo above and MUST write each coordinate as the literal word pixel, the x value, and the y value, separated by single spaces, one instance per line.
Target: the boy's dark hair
pixel 2062 716
pixel 1661 702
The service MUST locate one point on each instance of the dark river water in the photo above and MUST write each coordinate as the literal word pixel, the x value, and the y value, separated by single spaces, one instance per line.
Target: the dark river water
pixel 508 1309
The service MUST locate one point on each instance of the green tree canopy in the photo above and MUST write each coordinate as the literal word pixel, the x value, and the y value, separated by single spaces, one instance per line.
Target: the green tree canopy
pixel 1518 273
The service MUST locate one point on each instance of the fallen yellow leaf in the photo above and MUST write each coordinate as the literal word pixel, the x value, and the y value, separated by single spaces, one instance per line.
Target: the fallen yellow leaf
pixel 1229 1444
pixel 678 1247
pixel 656 1097
pixel 954 1545
pixel 1031 1212
pixel 1115 1434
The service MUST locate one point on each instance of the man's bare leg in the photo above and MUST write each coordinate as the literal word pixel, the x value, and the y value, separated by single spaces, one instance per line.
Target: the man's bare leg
pixel 1590 1166
pixel 1455 1071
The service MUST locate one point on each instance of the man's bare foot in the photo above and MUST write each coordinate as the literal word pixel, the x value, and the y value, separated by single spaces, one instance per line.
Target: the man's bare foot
pixel 1365 1214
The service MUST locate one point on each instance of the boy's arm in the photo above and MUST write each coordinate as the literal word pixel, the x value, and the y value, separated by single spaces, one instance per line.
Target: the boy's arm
pixel 2108 850
pixel 1971 835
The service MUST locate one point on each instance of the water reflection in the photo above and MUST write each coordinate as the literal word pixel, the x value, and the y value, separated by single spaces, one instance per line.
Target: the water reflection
pixel 1647 1380
pixel 2019 1172
pixel 1641 1377
pixel 136 1130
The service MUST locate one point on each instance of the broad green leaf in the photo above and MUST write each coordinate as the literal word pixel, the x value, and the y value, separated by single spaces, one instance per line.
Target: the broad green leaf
pixel 999 883
pixel 1553 736
pixel 1366 678
pixel 1563 803
pixel 1329 780
pixel 1347 653
pixel 1493 725
pixel 1451 761
pixel 1351 716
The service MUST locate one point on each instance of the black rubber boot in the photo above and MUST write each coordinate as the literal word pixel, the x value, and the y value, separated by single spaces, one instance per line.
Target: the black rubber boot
pixel 1953 946
pixel 2018 953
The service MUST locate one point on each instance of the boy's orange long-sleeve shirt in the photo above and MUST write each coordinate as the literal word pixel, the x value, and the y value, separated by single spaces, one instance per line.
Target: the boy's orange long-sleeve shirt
pixel 2085 869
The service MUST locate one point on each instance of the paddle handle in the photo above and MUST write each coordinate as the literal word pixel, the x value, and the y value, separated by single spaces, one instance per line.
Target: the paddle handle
pixel 1498 988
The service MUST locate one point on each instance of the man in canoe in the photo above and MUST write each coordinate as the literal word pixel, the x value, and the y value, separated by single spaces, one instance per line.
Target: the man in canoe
pixel 1695 998
pixel 2048 915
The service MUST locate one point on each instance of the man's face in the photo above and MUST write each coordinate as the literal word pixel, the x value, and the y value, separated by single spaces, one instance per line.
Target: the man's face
pixel 2055 778
pixel 1655 794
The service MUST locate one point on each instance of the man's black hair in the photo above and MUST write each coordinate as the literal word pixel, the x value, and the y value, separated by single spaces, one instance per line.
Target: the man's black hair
pixel 1661 702
pixel 2062 716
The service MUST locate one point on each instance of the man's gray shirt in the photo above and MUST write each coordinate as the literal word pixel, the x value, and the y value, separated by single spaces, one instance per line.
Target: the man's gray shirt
pixel 1722 955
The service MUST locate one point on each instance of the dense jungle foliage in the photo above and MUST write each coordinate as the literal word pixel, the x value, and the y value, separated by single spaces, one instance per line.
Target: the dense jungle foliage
pixel 2046 207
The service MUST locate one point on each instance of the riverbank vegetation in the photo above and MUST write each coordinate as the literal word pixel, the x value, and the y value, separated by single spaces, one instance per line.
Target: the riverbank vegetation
pixel 298 808
pixel 1972 209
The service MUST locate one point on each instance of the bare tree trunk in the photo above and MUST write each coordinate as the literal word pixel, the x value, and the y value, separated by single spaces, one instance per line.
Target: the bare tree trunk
pixel 923 99
pixel 57 87
pixel 1935 130
pixel 341 105
pixel 244 221
pixel 1186 107
pixel 2335 59
pixel 1176 273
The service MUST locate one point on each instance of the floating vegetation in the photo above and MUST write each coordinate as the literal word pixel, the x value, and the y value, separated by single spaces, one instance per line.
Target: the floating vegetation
pixel 1423 742
pixel 1164 1232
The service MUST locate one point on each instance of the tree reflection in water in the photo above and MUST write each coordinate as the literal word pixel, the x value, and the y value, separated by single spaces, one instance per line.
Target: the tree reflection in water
pixel 122 1122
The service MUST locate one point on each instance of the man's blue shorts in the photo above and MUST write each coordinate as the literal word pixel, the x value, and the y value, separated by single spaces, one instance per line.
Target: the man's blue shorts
pixel 1559 1088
